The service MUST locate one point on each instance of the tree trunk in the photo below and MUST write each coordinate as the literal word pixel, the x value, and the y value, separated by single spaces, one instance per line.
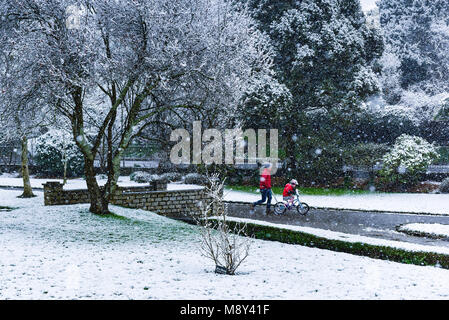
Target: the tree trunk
pixel 99 202
pixel 290 152
pixel 65 173
pixel 27 190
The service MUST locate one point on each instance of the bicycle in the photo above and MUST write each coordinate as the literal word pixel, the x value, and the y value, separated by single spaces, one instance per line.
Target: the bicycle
pixel 301 207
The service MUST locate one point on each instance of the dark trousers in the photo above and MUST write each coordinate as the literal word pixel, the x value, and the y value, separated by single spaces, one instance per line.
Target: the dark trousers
pixel 266 194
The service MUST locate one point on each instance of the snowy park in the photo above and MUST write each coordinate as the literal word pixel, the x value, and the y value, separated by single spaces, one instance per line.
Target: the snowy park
pixel 224 150
pixel 67 253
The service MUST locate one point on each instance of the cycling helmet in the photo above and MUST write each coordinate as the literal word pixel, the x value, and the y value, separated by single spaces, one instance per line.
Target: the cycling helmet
pixel 293 181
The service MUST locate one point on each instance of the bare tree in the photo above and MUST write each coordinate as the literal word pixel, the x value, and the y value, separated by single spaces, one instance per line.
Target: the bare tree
pixel 139 58
pixel 227 246
pixel 22 112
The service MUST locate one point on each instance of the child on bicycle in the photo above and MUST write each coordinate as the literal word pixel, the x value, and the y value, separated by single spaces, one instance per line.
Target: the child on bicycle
pixel 289 192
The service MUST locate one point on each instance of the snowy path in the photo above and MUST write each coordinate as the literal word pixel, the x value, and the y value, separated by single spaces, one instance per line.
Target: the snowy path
pixel 378 225
pixel 64 252
pixel 387 202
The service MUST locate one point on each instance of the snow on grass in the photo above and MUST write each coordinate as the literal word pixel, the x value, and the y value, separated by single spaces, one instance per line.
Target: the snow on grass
pixel 389 202
pixel 430 229
pixel 352 238
pixel 9 180
pixel 64 252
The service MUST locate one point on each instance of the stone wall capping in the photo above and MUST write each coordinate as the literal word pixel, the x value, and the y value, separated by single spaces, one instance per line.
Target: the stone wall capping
pixel 171 203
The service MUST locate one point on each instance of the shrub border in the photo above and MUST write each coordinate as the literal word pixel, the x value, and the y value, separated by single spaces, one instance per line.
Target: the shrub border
pixel 6 209
pixel 270 233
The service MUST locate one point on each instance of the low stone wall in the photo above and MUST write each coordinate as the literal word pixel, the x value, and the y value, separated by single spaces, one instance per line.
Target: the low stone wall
pixel 171 203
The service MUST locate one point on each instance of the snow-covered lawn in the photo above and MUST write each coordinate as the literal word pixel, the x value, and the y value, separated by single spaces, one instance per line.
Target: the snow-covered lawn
pixel 431 229
pixel 9 180
pixel 390 202
pixel 64 252
pixel 354 238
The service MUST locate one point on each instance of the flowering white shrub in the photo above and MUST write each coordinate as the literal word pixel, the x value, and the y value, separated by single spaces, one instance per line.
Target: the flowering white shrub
pixel 408 160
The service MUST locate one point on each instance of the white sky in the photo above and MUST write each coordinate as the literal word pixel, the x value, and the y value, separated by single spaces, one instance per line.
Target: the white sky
pixel 368 4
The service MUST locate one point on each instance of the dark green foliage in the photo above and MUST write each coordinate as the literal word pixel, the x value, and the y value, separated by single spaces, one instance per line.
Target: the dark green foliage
pixel 322 165
pixel 379 129
pixel 5 209
pixel 325 55
pixel 365 154
pixel 443 155
pixel 444 187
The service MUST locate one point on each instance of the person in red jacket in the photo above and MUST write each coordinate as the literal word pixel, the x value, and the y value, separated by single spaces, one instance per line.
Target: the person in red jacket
pixel 289 191
pixel 265 188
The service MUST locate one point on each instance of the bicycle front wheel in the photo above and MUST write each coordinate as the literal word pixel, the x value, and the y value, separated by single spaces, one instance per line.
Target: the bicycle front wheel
pixel 280 208
pixel 302 208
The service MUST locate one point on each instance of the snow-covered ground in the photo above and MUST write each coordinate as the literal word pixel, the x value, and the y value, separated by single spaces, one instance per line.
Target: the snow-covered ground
pixel 64 252
pixel 10 180
pixel 376 201
pixel 431 229
pixel 353 238
pixel 389 202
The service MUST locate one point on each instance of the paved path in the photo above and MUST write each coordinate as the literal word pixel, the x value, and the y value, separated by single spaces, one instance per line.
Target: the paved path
pixel 370 224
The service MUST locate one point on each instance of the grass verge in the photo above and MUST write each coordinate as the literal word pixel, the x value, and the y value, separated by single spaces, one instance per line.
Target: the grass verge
pixel 420 258
pixel 305 191
pixel 6 209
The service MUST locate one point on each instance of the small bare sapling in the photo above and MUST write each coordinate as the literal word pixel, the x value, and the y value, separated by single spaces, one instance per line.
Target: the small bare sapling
pixel 228 246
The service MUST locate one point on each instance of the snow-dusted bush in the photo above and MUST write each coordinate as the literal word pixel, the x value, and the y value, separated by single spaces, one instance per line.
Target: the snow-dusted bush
pixel 171 176
pixel 444 186
pixel 195 178
pixel 140 177
pixel 145 177
pixel 408 160
pixel 57 154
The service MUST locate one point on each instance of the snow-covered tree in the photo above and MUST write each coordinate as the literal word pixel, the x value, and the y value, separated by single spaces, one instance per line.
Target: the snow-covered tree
pixel 417 32
pixel 325 54
pixel 390 79
pixel 22 110
pixel 100 59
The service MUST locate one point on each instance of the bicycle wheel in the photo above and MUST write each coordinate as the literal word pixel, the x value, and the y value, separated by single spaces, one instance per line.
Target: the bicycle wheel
pixel 302 208
pixel 279 208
